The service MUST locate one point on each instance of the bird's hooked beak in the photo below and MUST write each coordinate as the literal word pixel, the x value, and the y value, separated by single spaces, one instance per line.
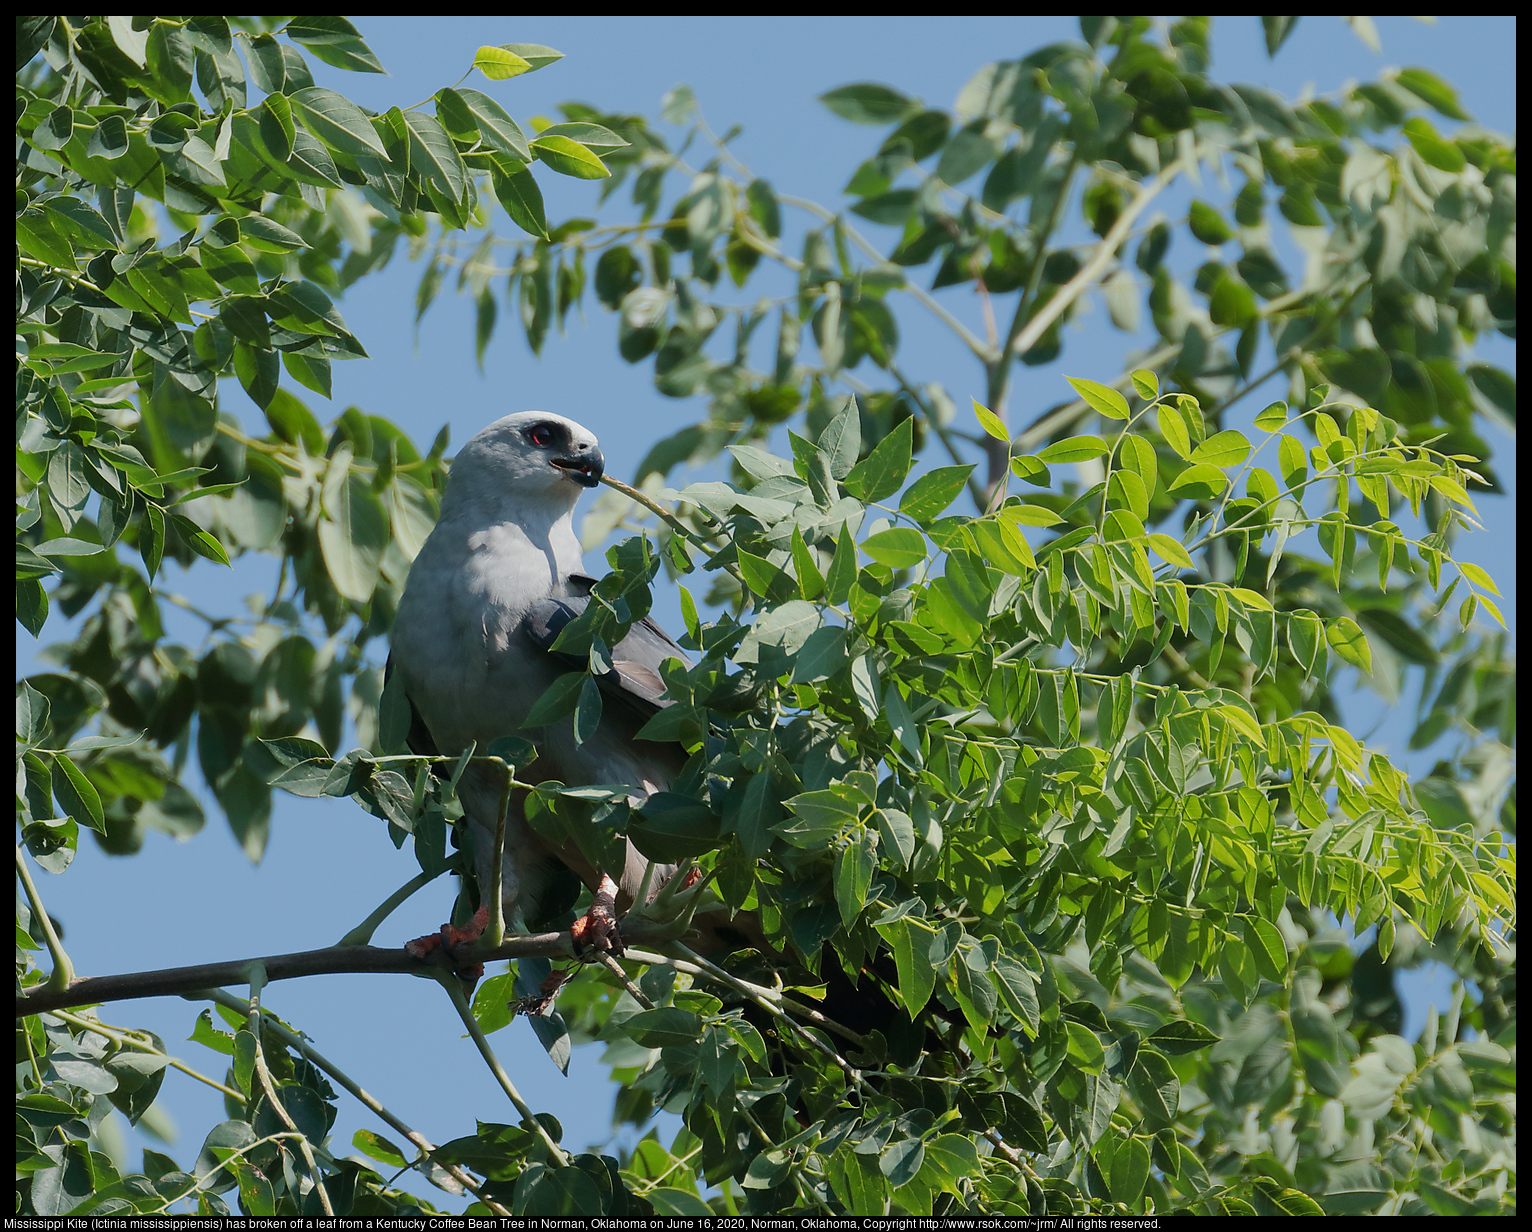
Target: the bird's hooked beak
pixel 586 469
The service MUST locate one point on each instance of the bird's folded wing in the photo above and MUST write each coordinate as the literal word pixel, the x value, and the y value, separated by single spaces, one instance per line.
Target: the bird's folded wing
pixel 419 740
pixel 635 678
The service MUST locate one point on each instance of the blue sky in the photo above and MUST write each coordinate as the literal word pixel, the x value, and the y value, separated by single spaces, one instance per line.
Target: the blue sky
pixel 327 865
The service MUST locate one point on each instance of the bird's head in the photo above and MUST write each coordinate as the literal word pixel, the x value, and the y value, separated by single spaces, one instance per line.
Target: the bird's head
pixel 533 453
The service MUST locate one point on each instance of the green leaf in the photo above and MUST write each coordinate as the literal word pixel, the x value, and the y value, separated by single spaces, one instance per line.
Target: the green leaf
pixel 663 1028
pixel 1171 551
pixel 500 63
pixel 991 423
pixel 569 157
pixel 587 711
pixel 1173 429
pixel 1002 544
pixel 898 834
pixel 1084 1048
pixel 1347 640
pixel 534 54
pixel 1277 30
pixel 1292 459
pixel 68 357
pixel 869 103
pixel 1432 90
pixel 1180 1037
pixel 498 130
pixel 1272 417
pixel 521 198
pixel 811 582
pixel 902 1160
pixel 132 43
pixel 1102 399
pixel 1145 383
pixel 593 136
pixel 1478 576
pixel 337 121
pixel 759 573
pixel 1018 990
pixel 1200 481
pixel 1028 468
pixel 855 864
pixel 898 547
pixel 76 794
pixel 1074 449
pixel 31 714
pixel 682 1203
pixel 264 235
pixel 35 235
pixel 1434 149
pixel 821 656
pixel 933 492
pixel 1030 515
pixel 1304 638
pixel 377 1147
pixel 954 1157
pixel 910 939
pixel 842 575
pixel 559 699
pixel 1207 224
pixel 882 471
pixel 1129 1171
pixel 841 440
pixel 151 539
pixel 1266 945
pixel 435 158
pixel 758 812
pixel 352 533
pixel 1125 490
pixel 199 540
pixel 788 625
pixel 1223 449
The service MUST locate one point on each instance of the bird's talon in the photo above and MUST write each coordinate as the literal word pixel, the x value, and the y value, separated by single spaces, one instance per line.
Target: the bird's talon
pixel 444 943
pixel 597 929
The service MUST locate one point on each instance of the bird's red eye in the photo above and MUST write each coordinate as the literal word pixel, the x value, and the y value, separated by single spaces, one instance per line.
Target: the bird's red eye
pixel 540 436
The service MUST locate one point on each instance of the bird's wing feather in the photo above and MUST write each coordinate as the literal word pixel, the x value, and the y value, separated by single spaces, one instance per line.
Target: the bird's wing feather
pixel 635 678
pixel 419 740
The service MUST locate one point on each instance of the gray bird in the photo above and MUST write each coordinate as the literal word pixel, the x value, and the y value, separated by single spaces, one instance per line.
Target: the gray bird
pixel 471 645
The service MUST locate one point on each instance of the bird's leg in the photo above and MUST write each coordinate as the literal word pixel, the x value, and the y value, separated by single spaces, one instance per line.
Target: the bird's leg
pixel 598 927
pixel 444 943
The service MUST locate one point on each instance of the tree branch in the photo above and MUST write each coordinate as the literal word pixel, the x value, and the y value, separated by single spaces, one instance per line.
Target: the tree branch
pixel 1105 251
pixel 335 960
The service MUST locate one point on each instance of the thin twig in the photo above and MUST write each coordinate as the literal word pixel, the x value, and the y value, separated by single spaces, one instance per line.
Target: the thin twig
pixel 615 967
pixel 773 1004
pixel 971 340
pixel 362 933
pixel 63 969
pixel 1105 251
pixel 494 931
pixel 454 988
pixel 998 370
pixel 675 523
pixel 129 1040
pixel 269 1087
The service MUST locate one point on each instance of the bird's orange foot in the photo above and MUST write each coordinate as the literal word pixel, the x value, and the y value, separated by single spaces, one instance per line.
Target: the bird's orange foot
pixel 598 928
pixel 441 947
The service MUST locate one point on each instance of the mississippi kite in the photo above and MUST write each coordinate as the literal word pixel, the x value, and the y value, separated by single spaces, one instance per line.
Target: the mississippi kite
pixel 495 581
